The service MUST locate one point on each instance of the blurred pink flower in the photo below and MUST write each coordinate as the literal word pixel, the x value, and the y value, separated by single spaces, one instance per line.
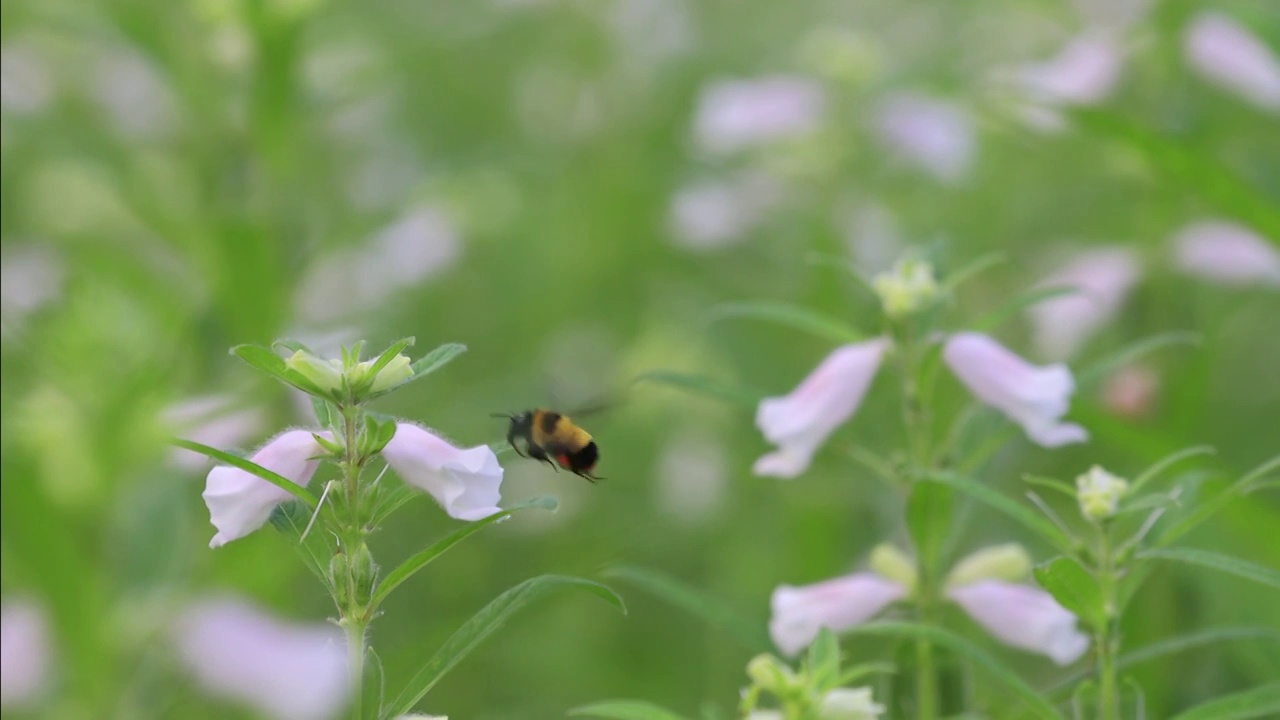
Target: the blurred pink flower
pixel 1131 391
pixel 1226 253
pixel 1103 277
pixel 1034 397
pixel 240 502
pixel 933 134
pixel 25 648
pixel 1084 72
pixel 211 420
pixel 734 115
pixel 837 604
pixel 1024 617
pixel 800 422
pixel 710 215
pixel 466 482
pixel 1224 52
pixel 287 671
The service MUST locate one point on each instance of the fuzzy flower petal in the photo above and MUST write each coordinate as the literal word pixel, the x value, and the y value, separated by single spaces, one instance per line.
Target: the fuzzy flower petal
pixel 466 482
pixel 288 671
pixel 1226 253
pixel 1084 72
pixel 1024 617
pixel 933 134
pixel 734 115
pixel 1224 52
pixel 1034 397
pixel 1102 278
pixel 800 422
pixel 849 704
pixel 240 502
pixel 838 604
pixel 24 654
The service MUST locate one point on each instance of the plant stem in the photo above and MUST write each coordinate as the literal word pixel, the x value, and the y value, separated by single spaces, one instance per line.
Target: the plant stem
pixel 926 673
pixel 1105 637
pixel 355 626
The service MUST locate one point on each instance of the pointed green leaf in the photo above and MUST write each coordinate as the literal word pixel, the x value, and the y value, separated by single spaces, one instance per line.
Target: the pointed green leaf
pixel 388 355
pixel 1100 369
pixel 1259 702
pixel 1165 463
pixel 972 269
pixel 273 365
pixel 1053 484
pixel 625 710
pixel 1074 588
pixel 248 466
pixel 1217 561
pixel 701 385
pixel 1208 507
pixel 324 411
pixel 1029 518
pixel 793 316
pixel 750 634
pixel 483 624
pixel 437 359
pixel 823 660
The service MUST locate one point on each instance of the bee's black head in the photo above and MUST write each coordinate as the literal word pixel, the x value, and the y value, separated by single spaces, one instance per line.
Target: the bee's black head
pixel 519 421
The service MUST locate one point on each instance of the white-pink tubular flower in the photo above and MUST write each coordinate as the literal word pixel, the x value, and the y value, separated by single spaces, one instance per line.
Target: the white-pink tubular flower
pixel 240 502
pixel 24 654
pixel 1224 52
pixel 287 671
pixel 466 482
pixel 734 115
pixel 1083 72
pixel 1023 617
pixel 800 422
pixel 1102 279
pixel 933 134
pixel 1034 397
pixel 839 604
pixel 1225 252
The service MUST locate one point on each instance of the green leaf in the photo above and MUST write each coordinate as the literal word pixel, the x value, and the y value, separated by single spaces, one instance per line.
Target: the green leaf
pixel 928 520
pixel 324 411
pixel 428 364
pixel 1208 507
pixel 1002 314
pixel 388 355
pixel 292 345
pixel 1259 702
pixel 793 316
pixel 959 645
pixel 972 269
pixel 841 264
pixel 1217 561
pixel 750 635
pixel 1074 588
pixel 273 365
pixel 625 710
pixel 1053 484
pixel 1029 518
pixel 1165 463
pixel 861 670
pixel 823 661
pixel 701 385
pixel 1100 369
pixel 248 466
pixel 409 567
pixel 483 624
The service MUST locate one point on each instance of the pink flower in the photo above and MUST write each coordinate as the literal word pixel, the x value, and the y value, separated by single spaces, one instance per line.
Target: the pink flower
pixel 1034 397
pixel 1023 617
pixel 935 135
pixel 466 482
pixel 838 604
pixel 1102 277
pixel 1224 52
pixel 1131 391
pixel 1226 253
pixel 287 671
pixel 800 422
pixel 25 649
pixel 1083 73
pixel 240 502
pixel 708 216
pixel 734 115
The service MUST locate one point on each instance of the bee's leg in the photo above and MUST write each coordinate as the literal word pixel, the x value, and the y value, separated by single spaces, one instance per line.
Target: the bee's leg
pixel 538 453
pixel 593 479
pixel 511 440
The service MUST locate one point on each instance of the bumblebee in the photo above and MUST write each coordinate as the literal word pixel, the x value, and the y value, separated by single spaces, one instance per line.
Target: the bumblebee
pixel 554 439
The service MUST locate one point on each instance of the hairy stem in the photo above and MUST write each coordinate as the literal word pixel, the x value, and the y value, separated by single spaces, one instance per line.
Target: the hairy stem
pixel 355 627
pixel 1104 640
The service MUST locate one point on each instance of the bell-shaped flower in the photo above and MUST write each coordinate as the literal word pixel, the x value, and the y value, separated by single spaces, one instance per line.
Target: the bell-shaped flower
pixel 1226 253
pixel 839 604
pixel 466 482
pixel 240 502
pixel 1099 493
pixel 933 134
pixel 25 650
pixel 849 704
pixel 734 115
pixel 1024 617
pixel 286 671
pixel 800 422
pixel 1083 73
pixel 1034 397
pixel 1102 278
pixel 1224 52
pixel 324 374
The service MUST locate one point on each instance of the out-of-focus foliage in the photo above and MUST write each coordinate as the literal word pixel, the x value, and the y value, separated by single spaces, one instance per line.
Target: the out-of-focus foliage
pixel 532 179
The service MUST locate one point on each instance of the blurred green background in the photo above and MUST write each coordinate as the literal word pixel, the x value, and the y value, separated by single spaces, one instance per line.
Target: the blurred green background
pixel 181 177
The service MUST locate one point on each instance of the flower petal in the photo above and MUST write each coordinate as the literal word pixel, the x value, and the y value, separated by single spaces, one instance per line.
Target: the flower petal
pixel 1023 617
pixel 288 671
pixel 466 482
pixel 933 134
pixel 838 604
pixel 240 502
pixel 849 704
pixel 1224 52
pixel 1034 397
pixel 734 115
pixel 800 422
pixel 25 649
pixel 1227 253
pixel 1103 277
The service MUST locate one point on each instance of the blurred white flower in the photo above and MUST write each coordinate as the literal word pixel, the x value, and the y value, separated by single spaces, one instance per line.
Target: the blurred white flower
pixel 935 135
pixel 1131 391
pixel 1034 397
pixel 26 84
pixel 211 420
pixel 1084 72
pixel 287 671
pixel 1023 617
pixel 849 704
pixel 873 237
pixel 692 475
pixel 1102 278
pixel 466 482
pixel 240 502
pixel 710 215
pixel 765 715
pixel 1226 53
pixel 1099 493
pixel 25 650
pixel 1227 253
pixel 133 93
pixel 800 422
pixel 837 604
pixel 30 276
pixel 733 115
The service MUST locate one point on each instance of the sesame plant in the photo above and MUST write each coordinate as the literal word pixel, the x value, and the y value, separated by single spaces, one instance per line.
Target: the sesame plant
pixel 331 530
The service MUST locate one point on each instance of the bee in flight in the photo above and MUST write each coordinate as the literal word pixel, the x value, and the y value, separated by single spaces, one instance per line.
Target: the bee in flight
pixel 553 438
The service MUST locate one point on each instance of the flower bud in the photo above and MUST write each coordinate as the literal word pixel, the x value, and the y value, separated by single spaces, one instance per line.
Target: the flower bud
pixel 849 704
pixel 1008 562
pixel 324 374
pixel 365 573
pixel 339 577
pixel 908 287
pixel 392 374
pixel 890 562
pixel 1099 493
pixel 770 674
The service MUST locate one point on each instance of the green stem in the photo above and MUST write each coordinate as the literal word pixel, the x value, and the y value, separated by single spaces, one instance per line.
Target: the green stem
pixel 926 673
pixel 355 654
pixel 1104 640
